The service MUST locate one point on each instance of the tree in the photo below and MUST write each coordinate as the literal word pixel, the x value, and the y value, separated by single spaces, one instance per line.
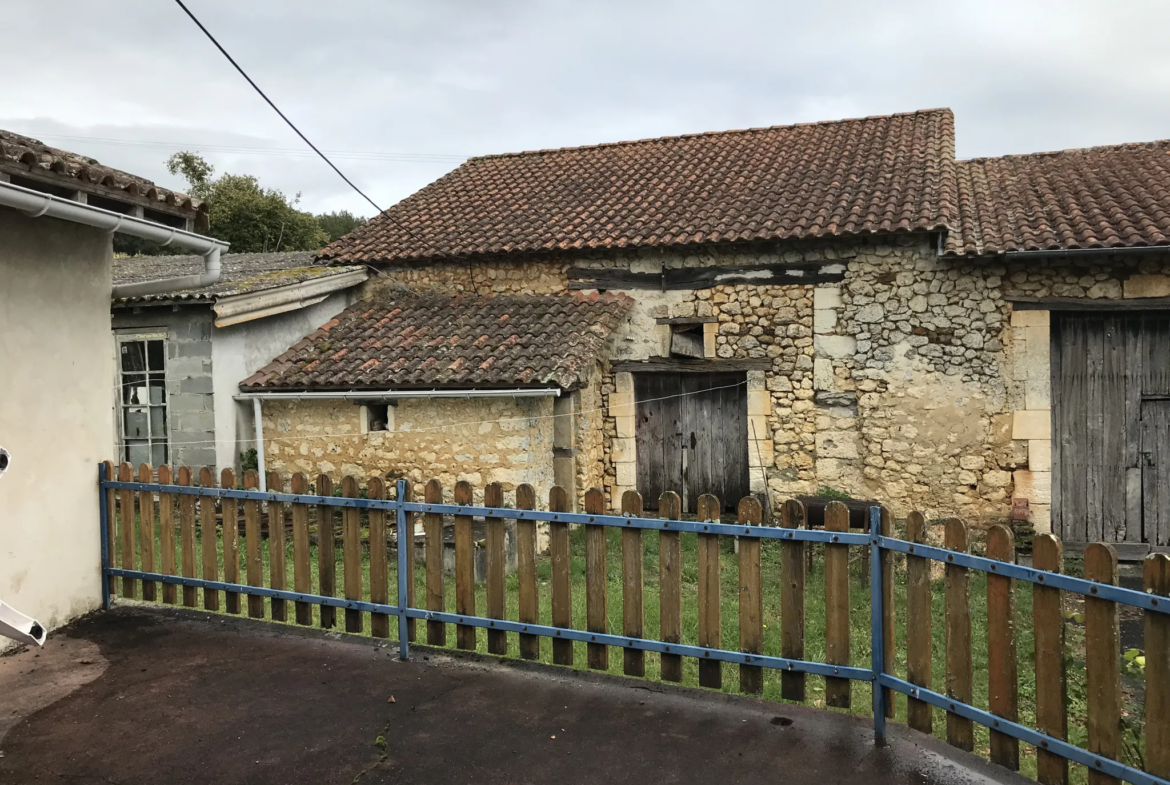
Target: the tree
pixel 252 218
pixel 339 224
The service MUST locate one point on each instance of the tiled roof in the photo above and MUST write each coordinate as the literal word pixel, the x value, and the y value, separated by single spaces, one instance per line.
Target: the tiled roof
pixel 25 157
pixel 893 173
pixel 505 341
pixel 242 273
pixel 1095 197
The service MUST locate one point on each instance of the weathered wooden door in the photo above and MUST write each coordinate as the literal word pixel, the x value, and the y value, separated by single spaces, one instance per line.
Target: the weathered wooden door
pixel 691 436
pixel 1155 470
pixel 1111 478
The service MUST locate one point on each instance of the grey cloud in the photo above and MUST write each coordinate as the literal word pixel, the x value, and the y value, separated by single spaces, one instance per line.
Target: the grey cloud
pixel 470 78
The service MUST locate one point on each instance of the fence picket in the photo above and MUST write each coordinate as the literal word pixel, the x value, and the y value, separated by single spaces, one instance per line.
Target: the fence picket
pixel 710 619
pixel 837 643
pixel 1102 663
pixel 751 600
pixel 166 533
pixel 407 538
pixel 1002 686
pixel 633 660
pixel 146 529
pixel 919 714
pixel 253 567
pixel 111 533
pixel 889 624
pixel 379 561
pixel 277 578
pixel 960 731
pixel 129 585
pixel 497 640
pixel 433 536
pixel 529 608
pixel 562 586
pixel 1156 580
pixel 1048 638
pixel 187 536
pixel 351 553
pixel 464 568
pixel 597 654
pixel 208 540
pixel 326 557
pixel 302 567
pixel 670 586
pixel 792 574
pixel 230 511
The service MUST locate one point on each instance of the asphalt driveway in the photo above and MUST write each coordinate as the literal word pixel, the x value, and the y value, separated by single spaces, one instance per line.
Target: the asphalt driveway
pixel 141 695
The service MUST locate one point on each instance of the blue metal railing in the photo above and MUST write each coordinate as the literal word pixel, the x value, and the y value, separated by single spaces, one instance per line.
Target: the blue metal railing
pixel 875 674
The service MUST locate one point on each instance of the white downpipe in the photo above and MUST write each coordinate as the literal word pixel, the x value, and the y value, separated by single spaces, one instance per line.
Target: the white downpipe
pixel 257 415
pixel 36 204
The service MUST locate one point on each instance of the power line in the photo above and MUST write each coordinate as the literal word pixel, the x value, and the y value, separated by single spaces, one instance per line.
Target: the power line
pixel 275 108
pixel 259 150
pixel 305 139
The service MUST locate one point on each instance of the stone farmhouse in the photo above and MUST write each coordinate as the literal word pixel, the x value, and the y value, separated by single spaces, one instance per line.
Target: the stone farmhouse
pixel 769 311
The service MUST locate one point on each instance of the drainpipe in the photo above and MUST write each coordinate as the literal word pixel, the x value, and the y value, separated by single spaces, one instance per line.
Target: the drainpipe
pixel 259 426
pixel 36 204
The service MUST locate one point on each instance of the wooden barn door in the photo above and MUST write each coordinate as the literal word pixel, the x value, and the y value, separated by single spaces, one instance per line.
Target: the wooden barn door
pixel 1110 376
pixel 691 436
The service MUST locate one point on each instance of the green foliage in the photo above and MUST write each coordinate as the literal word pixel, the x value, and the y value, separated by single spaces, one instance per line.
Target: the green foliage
pixel 830 492
pixel 249 460
pixel 338 224
pixel 252 218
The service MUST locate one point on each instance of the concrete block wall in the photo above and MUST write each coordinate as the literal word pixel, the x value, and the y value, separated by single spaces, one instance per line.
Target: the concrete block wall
pixel 190 410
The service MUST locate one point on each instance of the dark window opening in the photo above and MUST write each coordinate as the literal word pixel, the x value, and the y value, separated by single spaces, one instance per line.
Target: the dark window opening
pixel 378 415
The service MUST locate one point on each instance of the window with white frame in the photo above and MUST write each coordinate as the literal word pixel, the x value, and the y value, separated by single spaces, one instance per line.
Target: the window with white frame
pixel 143 399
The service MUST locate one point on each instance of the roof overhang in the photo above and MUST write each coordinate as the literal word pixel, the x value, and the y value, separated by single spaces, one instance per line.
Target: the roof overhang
pixel 238 308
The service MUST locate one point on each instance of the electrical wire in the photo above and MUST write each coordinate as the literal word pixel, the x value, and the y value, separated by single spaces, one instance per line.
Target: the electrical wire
pixel 304 138
pixel 260 150
pixel 436 428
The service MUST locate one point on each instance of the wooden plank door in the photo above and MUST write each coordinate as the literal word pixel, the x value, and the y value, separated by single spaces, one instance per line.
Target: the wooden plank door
pixel 1156 470
pixel 691 436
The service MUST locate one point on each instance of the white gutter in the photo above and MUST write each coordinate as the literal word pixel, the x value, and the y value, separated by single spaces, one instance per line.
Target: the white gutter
pixel 386 395
pixel 36 204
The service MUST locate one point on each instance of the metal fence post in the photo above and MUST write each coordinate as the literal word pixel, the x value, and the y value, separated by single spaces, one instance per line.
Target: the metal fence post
pixel 104 518
pixel 404 568
pixel 877 638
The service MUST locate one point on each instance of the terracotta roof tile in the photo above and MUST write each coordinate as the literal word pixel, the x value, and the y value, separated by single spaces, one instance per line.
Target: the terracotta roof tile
pixel 500 341
pixel 24 156
pixel 893 173
pixel 1094 197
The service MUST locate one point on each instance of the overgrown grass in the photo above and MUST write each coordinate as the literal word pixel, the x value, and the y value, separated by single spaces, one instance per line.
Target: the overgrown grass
pixel 771 589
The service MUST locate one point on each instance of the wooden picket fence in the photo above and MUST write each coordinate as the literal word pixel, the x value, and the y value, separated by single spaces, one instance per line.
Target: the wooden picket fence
pixel 162 516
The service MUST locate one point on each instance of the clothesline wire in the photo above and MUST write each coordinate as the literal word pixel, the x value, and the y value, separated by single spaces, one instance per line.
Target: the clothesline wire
pixel 437 428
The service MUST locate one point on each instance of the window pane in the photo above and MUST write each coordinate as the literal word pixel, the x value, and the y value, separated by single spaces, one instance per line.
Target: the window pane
pixel 158 454
pixel 134 421
pixel 134 388
pixel 137 452
pixel 133 356
pixel 158 422
pixel 158 390
pixel 154 354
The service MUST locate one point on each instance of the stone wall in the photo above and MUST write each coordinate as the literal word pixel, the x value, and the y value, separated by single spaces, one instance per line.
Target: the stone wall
pixel 911 381
pixel 480 440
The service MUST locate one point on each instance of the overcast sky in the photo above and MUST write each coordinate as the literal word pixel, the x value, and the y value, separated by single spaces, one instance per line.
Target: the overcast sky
pixel 416 86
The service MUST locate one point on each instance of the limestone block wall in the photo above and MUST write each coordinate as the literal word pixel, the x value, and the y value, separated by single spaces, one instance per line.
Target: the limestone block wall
pixel 912 380
pixel 480 440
